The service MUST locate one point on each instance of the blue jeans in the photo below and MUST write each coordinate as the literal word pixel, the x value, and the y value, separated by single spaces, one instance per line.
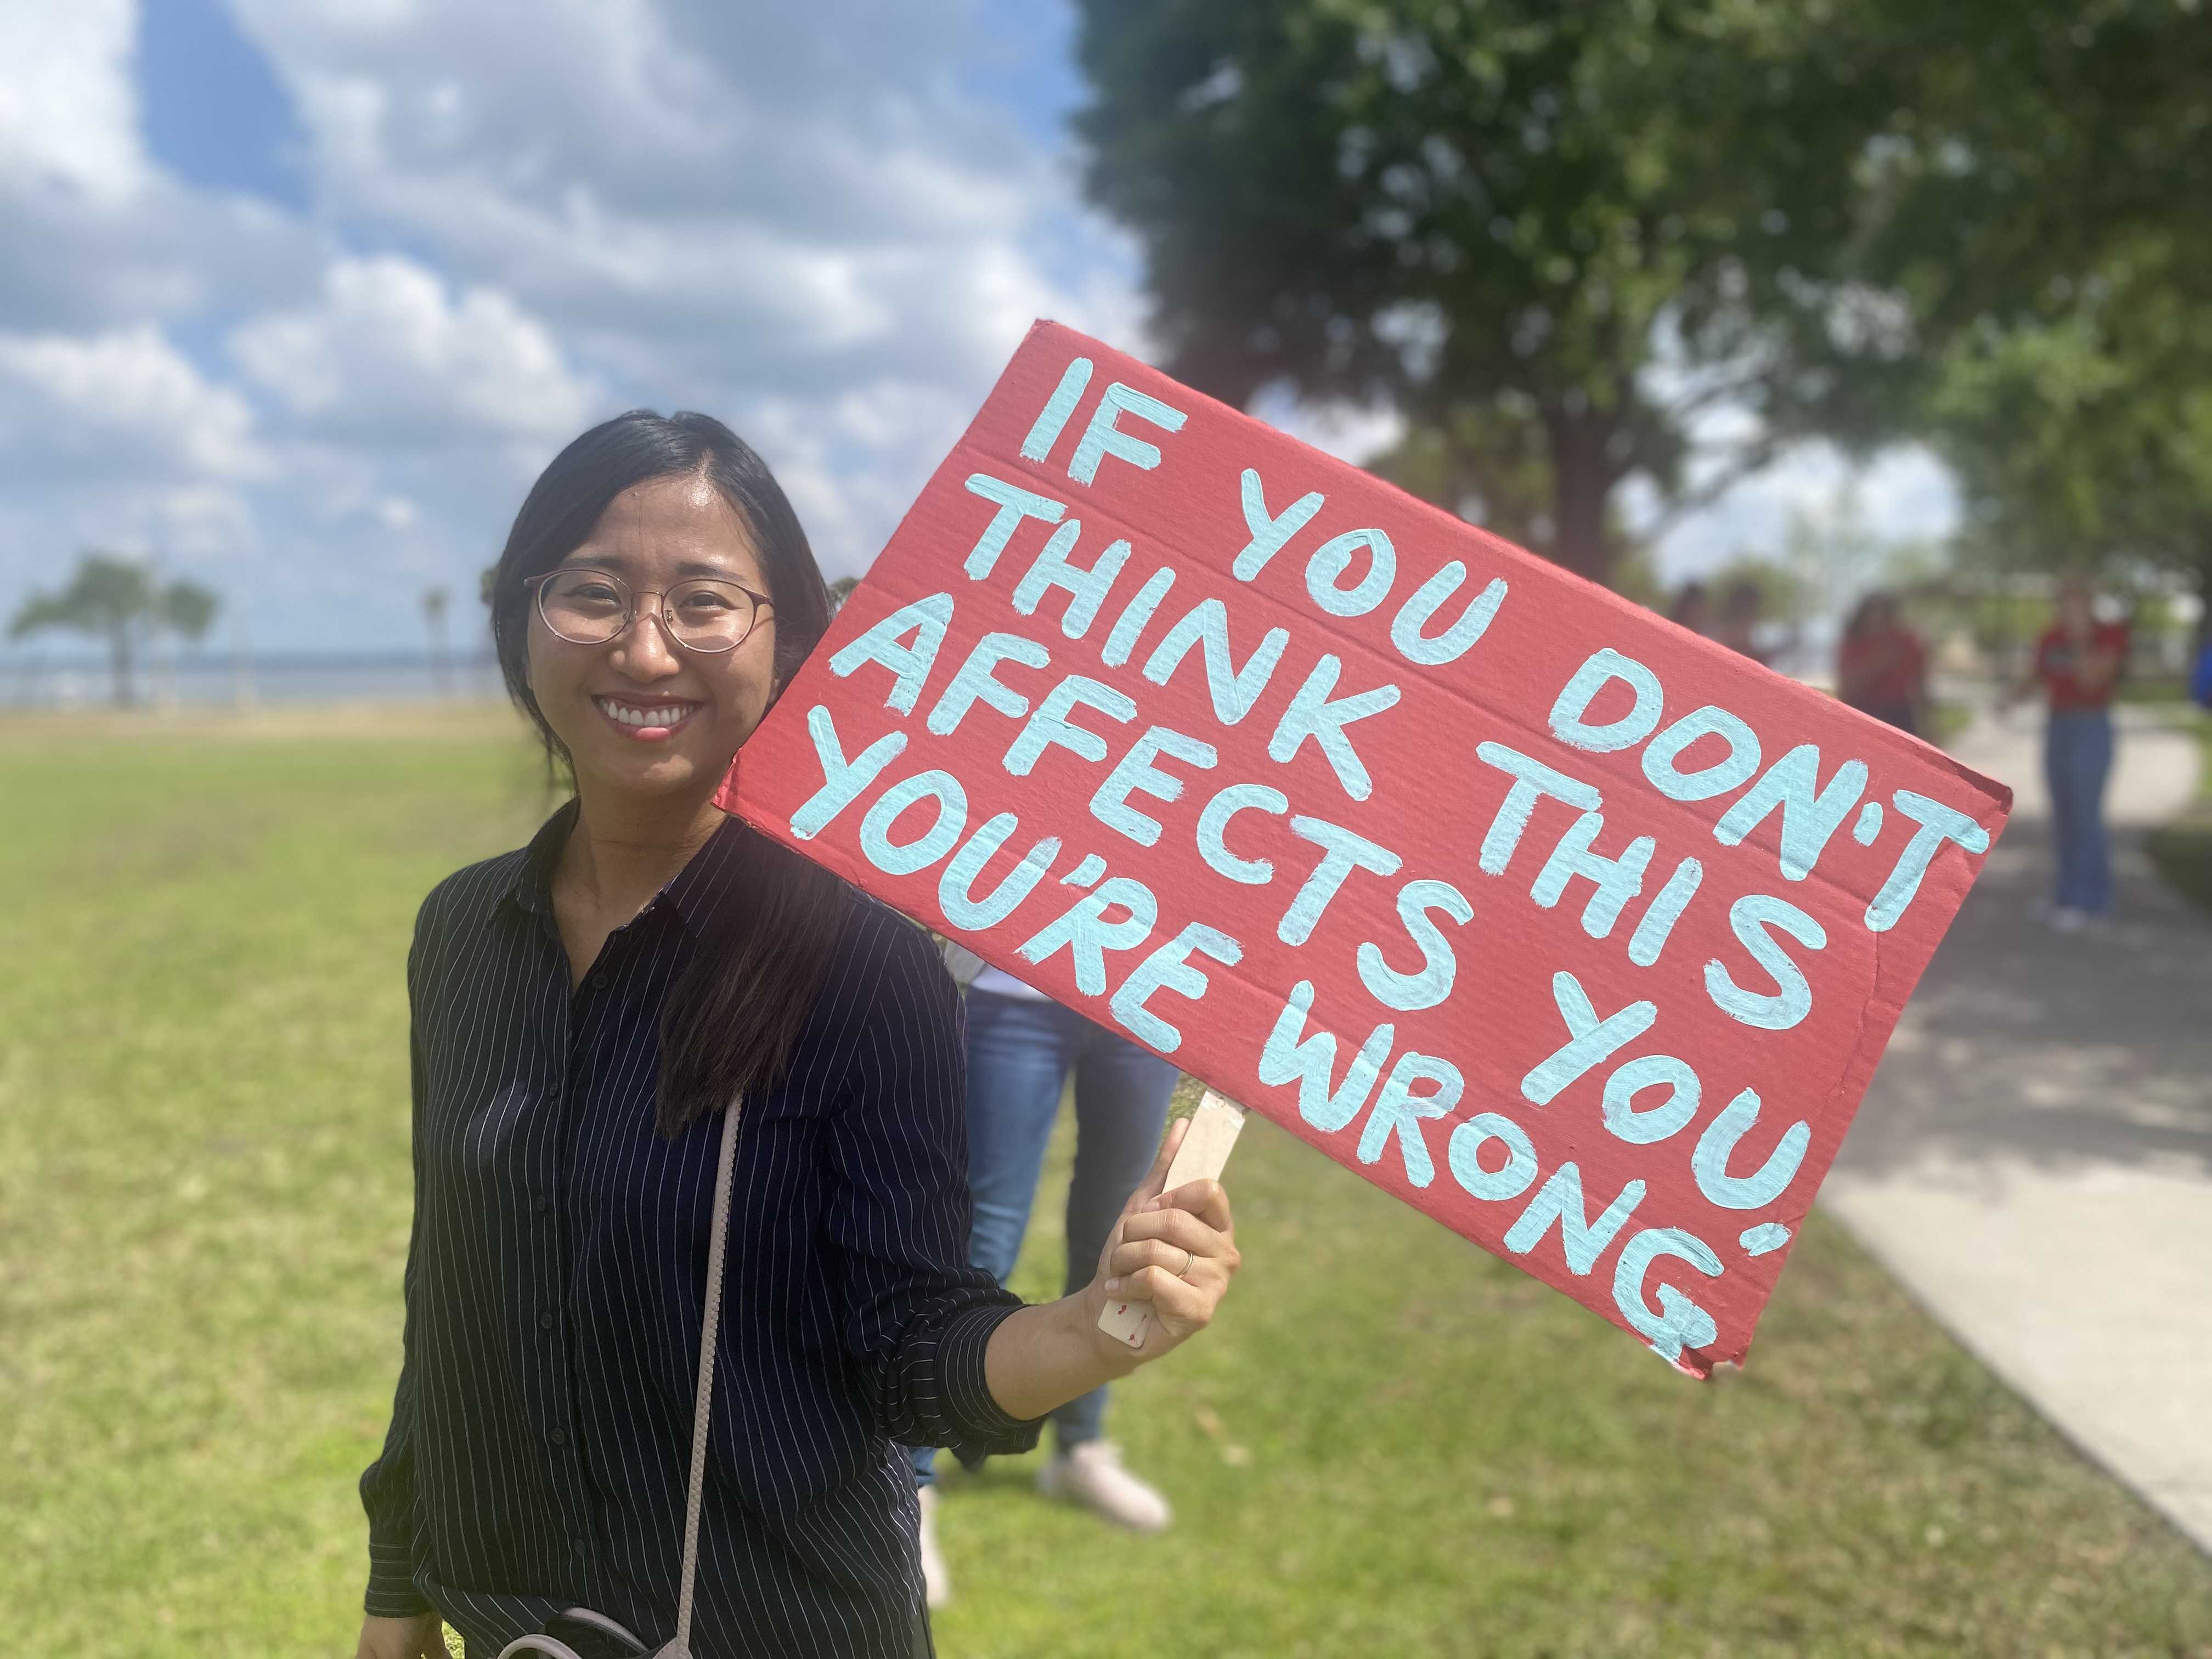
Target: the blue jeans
pixel 1019 1054
pixel 2077 758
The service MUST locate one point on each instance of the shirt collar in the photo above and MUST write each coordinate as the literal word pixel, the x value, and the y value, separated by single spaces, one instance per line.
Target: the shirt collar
pixel 699 893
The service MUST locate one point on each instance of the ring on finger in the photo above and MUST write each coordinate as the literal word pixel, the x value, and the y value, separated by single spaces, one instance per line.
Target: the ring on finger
pixel 1183 1271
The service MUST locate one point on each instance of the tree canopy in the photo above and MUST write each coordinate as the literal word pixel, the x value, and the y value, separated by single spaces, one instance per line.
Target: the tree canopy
pixel 1560 238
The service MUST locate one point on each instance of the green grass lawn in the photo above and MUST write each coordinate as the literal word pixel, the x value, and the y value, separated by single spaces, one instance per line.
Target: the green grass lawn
pixel 1390 1444
pixel 2183 849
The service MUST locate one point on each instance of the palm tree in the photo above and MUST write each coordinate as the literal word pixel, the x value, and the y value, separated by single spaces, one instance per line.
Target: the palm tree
pixel 433 618
pixel 116 599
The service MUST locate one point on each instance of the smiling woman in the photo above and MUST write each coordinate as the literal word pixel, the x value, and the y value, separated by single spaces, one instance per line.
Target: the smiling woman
pixel 647 1008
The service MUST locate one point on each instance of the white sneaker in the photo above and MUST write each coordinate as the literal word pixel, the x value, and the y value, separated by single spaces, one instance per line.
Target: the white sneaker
pixel 935 1576
pixel 1091 1474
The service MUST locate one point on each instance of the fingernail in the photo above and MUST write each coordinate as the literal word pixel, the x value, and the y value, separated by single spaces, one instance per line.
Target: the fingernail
pixel 1112 1285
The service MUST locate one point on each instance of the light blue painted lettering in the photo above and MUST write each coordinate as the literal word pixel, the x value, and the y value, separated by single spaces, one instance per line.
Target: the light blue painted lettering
pixel 1332 558
pixel 1589 1039
pixel 1399 1111
pixel 842 781
pixel 1869 824
pixel 1130 624
pixel 1533 781
pixel 934 843
pixel 1213 826
pixel 1616 880
pixel 1086 872
pixel 1718 1144
pixel 1938 824
pixel 1234 690
pixel 1431 982
pixel 1134 773
pixel 1680 1322
pixel 1765 1237
pixel 1290 1056
pixel 1050 725
pixel 1169 969
pixel 1657 926
pixel 1312 715
pixel 1428 599
pixel 974 682
pixel 1582 1240
pixel 1810 815
pixel 1087 935
pixel 1086 589
pixel 1269 532
pixel 927 620
pixel 1104 437
pixel 1015 504
pixel 1592 676
pixel 1464 1153
pixel 1342 851
pixel 1653 1123
pixel 1722 776
pixel 955 887
pixel 1052 420
pixel 1752 918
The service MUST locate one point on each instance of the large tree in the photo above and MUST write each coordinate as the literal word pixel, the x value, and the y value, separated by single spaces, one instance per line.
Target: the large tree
pixel 1556 233
pixel 1552 234
pixel 2087 441
pixel 118 601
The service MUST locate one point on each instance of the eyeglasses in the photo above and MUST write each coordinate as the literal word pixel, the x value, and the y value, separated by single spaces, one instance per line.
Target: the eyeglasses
pixel 585 606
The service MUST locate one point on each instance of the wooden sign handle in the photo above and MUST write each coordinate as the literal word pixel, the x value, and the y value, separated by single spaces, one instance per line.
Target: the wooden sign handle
pixel 1202 1156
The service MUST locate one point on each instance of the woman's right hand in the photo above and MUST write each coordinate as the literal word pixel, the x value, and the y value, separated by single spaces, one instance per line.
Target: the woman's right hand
pixel 422 1637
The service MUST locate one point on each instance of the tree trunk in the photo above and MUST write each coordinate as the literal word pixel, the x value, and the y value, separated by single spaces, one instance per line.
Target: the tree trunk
pixel 118 657
pixel 1582 490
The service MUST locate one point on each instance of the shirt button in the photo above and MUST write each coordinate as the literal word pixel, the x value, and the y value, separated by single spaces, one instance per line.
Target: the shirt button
pixel 600 981
pixel 558 1437
pixel 546 1319
pixel 578 1547
pixel 542 1203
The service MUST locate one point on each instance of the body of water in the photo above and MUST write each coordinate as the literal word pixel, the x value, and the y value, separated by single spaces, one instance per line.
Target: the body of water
pixel 29 680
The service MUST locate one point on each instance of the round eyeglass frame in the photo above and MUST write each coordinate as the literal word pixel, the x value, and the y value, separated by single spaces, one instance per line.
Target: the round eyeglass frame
pixel 664 614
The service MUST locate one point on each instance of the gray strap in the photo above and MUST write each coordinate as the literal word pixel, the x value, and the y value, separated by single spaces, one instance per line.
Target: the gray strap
pixel 709 1328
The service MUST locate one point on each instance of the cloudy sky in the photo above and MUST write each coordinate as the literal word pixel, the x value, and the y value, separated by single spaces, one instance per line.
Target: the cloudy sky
pixel 296 295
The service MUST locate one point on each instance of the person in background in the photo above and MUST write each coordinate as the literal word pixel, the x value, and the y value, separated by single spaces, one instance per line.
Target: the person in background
pixel 1021 1047
pixel 1694 608
pixel 1741 603
pixel 1881 665
pixel 2077 662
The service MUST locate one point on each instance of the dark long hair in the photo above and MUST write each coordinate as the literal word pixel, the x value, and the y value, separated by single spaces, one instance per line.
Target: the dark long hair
pixel 731 1021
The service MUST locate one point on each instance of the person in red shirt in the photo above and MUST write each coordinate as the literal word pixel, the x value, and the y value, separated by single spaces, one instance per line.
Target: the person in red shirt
pixel 2077 662
pixel 1881 665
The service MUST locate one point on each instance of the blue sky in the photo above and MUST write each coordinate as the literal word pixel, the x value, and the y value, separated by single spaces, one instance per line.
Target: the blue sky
pixel 298 295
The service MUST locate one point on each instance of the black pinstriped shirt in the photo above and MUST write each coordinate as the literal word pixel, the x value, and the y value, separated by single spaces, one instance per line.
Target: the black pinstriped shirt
pixel 542 1426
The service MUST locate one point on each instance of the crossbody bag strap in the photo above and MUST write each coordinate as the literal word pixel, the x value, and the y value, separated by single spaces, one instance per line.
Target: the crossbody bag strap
pixel 710 1328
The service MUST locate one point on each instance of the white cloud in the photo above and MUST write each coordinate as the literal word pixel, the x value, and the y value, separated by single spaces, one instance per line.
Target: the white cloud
pixel 68 113
pixel 384 353
pixel 127 399
pixel 1903 493
pixel 526 215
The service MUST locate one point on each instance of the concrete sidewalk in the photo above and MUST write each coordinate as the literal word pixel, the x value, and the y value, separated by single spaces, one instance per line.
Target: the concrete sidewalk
pixel 2034 1159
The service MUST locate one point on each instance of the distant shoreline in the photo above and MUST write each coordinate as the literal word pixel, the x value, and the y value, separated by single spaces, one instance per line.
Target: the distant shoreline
pixel 34 681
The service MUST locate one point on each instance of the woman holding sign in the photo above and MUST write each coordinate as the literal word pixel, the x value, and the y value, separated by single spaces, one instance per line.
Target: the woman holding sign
pixel 662 1070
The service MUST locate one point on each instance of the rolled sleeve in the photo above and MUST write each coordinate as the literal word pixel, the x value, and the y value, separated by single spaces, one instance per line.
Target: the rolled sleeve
pixel 913 1309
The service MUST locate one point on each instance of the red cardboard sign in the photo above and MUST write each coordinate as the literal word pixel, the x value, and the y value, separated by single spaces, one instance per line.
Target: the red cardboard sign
pixel 1576 931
